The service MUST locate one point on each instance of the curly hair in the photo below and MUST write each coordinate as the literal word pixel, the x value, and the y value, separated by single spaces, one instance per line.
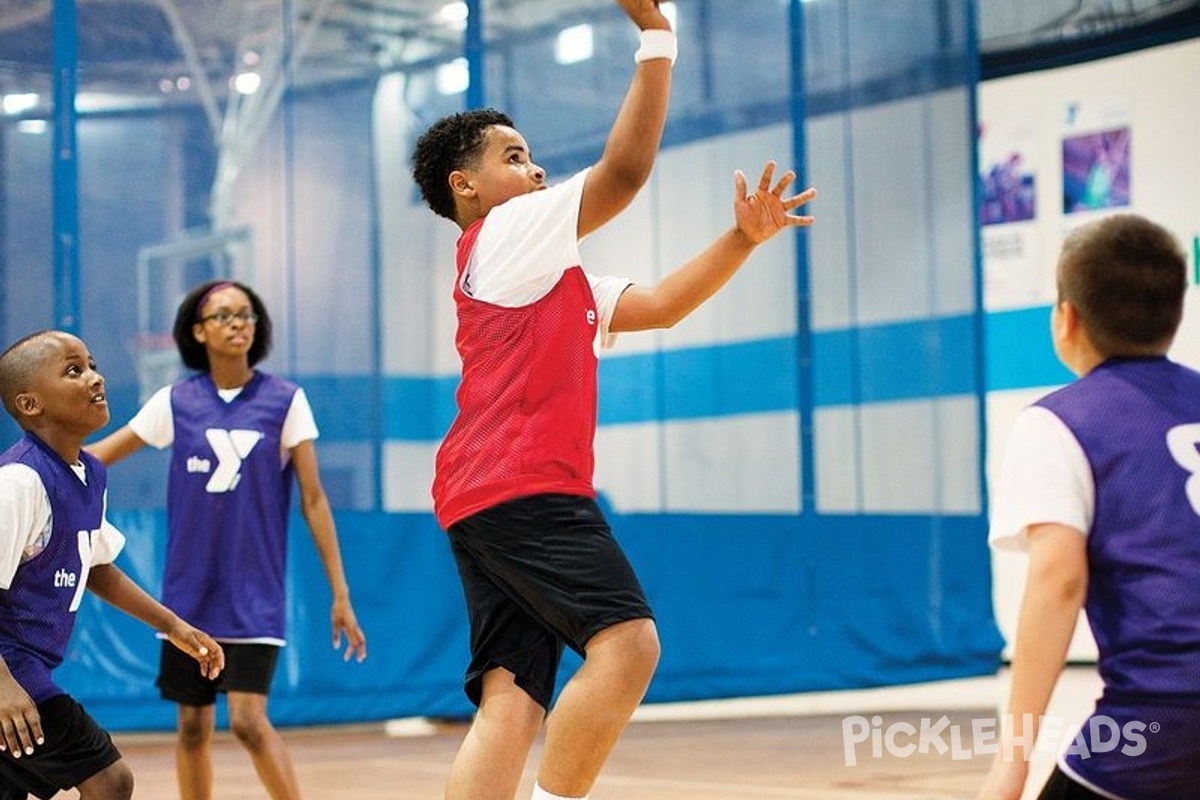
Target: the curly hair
pixel 451 143
pixel 193 353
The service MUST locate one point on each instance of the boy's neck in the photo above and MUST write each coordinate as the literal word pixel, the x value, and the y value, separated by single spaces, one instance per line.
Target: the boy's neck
pixel 66 445
pixel 466 219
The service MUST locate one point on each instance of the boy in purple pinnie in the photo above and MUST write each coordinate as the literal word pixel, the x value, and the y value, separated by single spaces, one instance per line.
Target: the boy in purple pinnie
pixel 55 541
pixel 1101 485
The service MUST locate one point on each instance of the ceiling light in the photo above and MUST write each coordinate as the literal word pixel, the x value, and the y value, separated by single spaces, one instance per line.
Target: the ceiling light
pixel 453 14
pixel 573 44
pixel 453 77
pixel 16 103
pixel 246 82
pixel 35 126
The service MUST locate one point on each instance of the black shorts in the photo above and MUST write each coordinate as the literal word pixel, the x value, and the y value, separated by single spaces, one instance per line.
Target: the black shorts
pixel 1059 786
pixel 248 668
pixel 540 573
pixel 76 748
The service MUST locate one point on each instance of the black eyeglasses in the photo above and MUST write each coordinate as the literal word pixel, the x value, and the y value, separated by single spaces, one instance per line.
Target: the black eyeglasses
pixel 227 317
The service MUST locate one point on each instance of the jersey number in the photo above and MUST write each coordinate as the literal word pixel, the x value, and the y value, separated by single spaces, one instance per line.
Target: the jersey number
pixel 1184 443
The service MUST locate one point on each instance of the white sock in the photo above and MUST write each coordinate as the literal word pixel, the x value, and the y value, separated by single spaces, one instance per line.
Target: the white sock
pixel 541 794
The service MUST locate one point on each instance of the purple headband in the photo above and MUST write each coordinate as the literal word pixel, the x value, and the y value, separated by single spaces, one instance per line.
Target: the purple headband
pixel 204 298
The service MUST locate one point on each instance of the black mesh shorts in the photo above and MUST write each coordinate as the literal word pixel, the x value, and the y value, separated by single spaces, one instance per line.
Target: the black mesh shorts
pixel 76 748
pixel 248 668
pixel 540 573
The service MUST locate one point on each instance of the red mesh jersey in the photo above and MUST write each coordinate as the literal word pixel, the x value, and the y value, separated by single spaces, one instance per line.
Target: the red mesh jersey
pixel 527 401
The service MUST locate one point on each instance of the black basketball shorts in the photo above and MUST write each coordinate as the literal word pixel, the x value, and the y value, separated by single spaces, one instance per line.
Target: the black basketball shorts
pixel 540 573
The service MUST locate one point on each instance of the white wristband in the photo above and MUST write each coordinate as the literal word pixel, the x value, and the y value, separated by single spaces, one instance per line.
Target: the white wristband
pixel 657 43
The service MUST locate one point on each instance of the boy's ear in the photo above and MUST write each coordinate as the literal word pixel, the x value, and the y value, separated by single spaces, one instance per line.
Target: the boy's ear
pixel 1068 317
pixel 28 404
pixel 460 184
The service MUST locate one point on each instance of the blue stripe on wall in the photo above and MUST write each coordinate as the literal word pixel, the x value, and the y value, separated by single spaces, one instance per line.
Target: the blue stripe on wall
pixel 897 361
pixel 1018 353
pixel 741 378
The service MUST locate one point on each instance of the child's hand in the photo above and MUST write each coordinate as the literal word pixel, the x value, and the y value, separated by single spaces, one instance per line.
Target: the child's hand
pixel 761 215
pixel 200 646
pixel 645 14
pixel 20 723
pixel 344 622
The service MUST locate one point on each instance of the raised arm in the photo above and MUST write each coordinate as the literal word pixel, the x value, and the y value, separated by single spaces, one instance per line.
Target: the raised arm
pixel 758 217
pixel 116 445
pixel 632 145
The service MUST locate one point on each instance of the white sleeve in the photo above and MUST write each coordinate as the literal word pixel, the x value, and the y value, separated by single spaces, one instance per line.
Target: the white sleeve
pixel 1044 477
pixel 299 425
pixel 525 245
pixel 24 515
pixel 606 291
pixel 154 424
pixel 110 541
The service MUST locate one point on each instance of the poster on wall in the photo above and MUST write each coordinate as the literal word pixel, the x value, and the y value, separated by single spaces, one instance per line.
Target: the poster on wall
pixel 1008 183
pixel 1095 171
pixel 1009 160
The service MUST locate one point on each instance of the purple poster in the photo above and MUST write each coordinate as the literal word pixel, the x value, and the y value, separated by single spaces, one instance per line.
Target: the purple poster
pixel 1008 190
pixel 1096 170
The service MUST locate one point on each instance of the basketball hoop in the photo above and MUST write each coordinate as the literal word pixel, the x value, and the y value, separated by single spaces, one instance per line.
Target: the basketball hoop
pixel 157 362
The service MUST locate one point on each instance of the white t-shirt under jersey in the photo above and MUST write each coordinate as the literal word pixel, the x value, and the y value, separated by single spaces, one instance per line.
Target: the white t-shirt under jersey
pixel 1044 478
pixel 524 247
pixel 26 521
pixel 154 423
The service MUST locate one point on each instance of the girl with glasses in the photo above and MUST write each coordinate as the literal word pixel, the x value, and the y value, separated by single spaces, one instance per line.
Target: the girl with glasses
pixel 238 437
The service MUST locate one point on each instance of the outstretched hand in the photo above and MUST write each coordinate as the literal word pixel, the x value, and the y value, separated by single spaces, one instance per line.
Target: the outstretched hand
pixel 764 213
pixel 645 14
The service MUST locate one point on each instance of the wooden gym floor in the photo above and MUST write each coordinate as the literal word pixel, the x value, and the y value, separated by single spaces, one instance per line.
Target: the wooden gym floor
pixel 789 748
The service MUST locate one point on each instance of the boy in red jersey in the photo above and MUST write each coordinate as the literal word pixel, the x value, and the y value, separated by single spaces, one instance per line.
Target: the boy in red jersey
pixel 513 485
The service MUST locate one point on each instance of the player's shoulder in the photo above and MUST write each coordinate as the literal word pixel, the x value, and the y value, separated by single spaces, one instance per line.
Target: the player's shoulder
pixel 20 476
pixel 280 384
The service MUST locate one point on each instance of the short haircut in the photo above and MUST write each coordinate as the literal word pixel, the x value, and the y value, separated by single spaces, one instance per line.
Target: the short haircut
pixel 19 365
pixel 193 353
pixel 452 143
pixel 1126 277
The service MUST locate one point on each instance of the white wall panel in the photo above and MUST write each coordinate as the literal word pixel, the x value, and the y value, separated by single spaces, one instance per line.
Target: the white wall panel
pixel 836 434
pixel 744 464
pixel 831 252
pixel 407 476
pixel 629 466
